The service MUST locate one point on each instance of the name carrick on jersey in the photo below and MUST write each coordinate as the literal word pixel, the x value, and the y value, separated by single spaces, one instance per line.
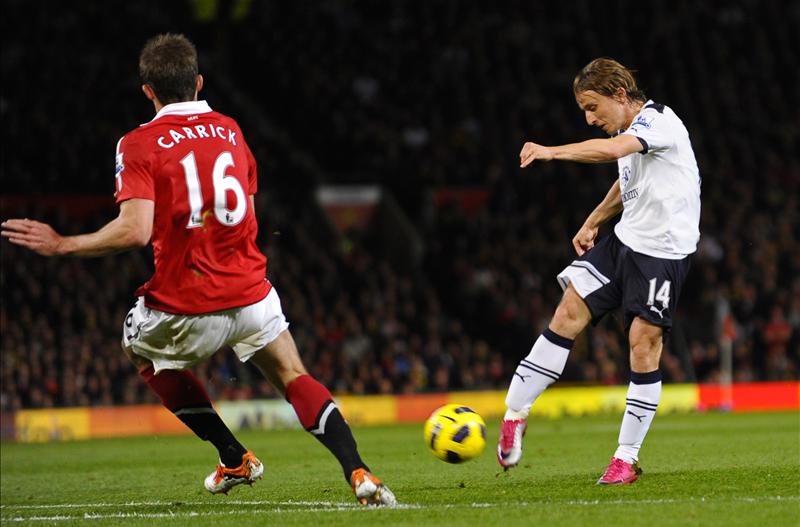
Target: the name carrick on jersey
pixel 195 165
pixel 660 187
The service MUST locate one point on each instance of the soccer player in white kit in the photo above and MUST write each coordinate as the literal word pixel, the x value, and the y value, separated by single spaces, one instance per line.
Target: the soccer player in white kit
pixel 640 267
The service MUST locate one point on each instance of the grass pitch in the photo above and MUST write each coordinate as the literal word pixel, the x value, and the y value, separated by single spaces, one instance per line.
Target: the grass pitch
pixel 700 469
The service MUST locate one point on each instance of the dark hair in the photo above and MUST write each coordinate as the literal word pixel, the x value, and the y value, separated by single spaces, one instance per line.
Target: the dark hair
pixel 605 76
pixel 168 64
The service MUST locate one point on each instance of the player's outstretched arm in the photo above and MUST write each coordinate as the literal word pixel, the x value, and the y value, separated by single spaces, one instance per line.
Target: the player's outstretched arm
pixel 131 229
pixel 591 151
pixel 607 209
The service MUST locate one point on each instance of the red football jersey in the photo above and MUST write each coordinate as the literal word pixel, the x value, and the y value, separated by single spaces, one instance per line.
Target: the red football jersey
pixel 196 166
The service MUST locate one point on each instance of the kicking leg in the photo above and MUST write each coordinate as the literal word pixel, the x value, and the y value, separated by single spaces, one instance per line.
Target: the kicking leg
pixel 542 367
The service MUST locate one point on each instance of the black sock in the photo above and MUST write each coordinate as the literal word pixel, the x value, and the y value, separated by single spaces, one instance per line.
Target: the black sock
pixel 333 431
pixel 208 426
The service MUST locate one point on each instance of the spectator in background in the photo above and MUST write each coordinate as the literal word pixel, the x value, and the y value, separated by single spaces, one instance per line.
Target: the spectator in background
pixel 464 63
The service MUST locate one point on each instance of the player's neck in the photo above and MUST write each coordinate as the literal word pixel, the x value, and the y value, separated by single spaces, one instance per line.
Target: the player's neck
pixel 631 109
pixel 158 106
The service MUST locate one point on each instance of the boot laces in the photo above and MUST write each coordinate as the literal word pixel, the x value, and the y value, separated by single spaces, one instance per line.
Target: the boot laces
pixel 508 432
pixel 615 470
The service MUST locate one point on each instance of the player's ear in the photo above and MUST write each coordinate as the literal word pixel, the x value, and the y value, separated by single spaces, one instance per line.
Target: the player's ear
pixel 620 95
pixel 199 85
pixel 148 92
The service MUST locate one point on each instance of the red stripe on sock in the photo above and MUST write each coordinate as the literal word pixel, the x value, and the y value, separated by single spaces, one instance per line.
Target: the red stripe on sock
pixel 176 388
pixel 307 396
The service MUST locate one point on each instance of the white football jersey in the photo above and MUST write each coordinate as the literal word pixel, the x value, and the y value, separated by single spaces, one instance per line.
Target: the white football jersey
pixel 660 187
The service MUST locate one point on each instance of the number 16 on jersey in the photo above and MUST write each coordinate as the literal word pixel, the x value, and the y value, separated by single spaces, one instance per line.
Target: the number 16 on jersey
pixel 222 184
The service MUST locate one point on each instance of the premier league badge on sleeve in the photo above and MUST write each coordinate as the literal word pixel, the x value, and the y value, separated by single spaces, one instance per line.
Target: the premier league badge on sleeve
pixel 642 122
pixel 120 166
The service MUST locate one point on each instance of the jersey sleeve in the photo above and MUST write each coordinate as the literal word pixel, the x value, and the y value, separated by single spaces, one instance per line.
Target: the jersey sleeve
pixel 134 178
pixel 652 129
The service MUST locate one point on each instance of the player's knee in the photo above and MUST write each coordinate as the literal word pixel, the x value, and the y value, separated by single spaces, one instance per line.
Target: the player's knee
pixel 645 349
pixel 279 360
pixel 137 360
pixel 570 317
pixel 564 321
pixel 645 335
pixel 642 349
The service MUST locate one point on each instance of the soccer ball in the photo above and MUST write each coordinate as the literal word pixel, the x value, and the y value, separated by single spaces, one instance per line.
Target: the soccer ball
pixel 455 433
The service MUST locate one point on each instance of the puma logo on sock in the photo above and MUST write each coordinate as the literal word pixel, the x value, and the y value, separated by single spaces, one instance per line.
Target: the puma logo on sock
pixel 639 417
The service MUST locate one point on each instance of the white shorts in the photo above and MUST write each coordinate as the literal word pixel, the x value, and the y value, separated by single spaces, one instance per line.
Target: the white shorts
pixel 176 342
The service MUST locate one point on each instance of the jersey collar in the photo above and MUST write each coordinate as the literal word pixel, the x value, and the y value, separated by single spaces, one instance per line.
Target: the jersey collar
pixel 183 108
pixel 645 105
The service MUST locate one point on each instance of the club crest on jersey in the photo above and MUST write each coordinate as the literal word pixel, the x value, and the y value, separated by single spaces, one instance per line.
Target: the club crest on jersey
pixel 626 176
pixel 643 121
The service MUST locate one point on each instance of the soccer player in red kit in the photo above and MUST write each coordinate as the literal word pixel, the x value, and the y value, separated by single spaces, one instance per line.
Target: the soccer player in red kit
pixel 185 181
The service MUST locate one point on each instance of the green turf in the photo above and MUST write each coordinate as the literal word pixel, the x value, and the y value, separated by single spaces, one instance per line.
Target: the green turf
pixel 702 469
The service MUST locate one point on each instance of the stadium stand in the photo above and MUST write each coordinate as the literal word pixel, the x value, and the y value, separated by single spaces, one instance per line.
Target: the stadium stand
pixel 421 98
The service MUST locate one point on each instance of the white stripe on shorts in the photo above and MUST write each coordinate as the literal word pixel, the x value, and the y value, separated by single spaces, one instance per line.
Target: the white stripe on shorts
pixel 583 276
pixel 593 270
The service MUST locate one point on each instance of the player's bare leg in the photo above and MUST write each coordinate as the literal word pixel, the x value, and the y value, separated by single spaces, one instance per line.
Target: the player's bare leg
pixel 280 362
pixel 537 371
pixel 571 315
pixel 644 394
pixel 184 395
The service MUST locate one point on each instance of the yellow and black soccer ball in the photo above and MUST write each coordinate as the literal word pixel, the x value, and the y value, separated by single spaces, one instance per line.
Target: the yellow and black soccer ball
pixel 455 433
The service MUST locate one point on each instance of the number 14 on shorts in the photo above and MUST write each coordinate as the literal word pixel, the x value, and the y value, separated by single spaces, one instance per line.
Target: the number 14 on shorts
pixel 662 296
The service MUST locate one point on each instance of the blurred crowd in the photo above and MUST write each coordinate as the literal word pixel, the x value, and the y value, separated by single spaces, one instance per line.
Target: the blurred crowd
pixel 416 97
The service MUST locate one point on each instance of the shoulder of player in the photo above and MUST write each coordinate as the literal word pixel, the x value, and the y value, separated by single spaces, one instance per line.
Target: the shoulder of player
pixel 656 111
pixel 131 139
pixel 226 120
pixel 230 123
pixel 653 113
pixel 652 106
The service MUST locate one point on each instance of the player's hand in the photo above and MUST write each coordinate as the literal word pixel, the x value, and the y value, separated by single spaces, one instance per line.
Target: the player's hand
pixel 36 236
pixel 531 151
pixel 584 240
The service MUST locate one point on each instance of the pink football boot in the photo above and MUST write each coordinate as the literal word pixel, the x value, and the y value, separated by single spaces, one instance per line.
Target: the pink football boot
pixel 620 472
pixel 509 447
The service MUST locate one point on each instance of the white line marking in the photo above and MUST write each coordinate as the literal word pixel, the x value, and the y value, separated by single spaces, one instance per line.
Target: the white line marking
pixel 283 507
pixel 701 499
pixel 190 514
pixel 179 503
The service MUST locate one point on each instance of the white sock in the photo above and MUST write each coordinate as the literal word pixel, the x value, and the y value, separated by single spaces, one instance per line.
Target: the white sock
pixel 644 393
pixel 541 368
